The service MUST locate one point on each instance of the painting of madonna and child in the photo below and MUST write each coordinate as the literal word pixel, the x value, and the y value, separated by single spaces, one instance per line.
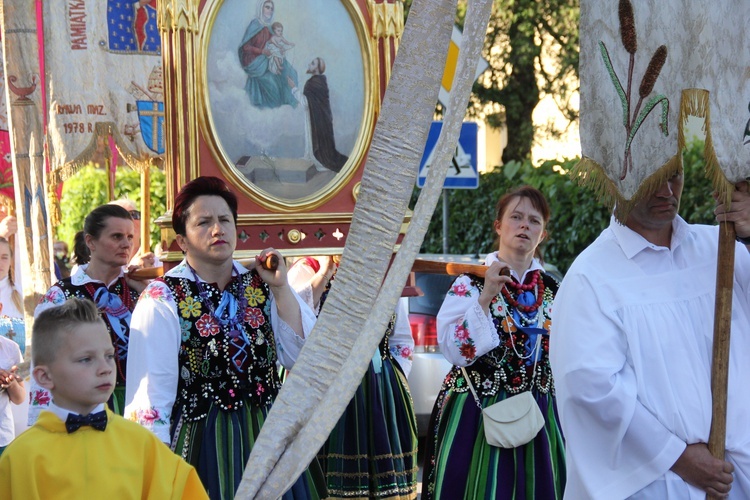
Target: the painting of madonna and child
pixel 286 91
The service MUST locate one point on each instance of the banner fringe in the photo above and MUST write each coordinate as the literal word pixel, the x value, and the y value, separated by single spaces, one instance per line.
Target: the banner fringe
pixel 590 174
pixel 695 102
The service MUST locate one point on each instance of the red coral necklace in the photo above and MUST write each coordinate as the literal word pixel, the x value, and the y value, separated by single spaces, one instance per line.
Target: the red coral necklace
pixel 535 284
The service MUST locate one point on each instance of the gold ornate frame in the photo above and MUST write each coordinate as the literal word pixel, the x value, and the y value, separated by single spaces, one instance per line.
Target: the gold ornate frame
pixel 369 54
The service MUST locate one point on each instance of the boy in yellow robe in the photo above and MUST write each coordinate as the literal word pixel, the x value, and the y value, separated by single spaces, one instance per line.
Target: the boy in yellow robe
pixel 80 449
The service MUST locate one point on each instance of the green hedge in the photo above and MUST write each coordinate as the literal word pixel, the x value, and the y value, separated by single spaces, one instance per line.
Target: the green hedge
pixel 577 216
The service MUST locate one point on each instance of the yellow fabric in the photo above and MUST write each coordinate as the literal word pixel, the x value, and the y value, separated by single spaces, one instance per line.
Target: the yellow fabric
pixel 125 461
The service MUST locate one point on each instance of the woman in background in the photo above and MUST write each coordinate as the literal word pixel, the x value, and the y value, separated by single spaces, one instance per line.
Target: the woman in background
pixel 496 331
pixel 108 235
pixel 372 450
pixel 12 342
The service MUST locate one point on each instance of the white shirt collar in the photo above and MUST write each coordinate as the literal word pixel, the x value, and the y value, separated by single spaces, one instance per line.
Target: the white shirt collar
pixel 535 265
pixel 81 278
pixel 63 413
pixel 633 243
pixel 183 271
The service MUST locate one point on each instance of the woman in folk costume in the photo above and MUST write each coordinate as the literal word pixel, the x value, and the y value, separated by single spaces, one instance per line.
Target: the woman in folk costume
pixel 496 331
pixel 205 341
pixel 372 450
pixel 108 232
pixel 11 302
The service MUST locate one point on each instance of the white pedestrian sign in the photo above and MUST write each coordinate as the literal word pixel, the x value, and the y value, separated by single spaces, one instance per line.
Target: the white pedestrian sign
pixel 463 172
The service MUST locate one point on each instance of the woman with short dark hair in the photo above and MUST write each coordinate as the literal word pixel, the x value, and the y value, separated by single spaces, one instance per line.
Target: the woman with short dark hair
pixel 205 341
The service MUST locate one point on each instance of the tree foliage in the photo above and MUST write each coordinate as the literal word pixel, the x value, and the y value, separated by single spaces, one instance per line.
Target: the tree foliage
pixel 88 189
pixel 577 216
pixel 532 49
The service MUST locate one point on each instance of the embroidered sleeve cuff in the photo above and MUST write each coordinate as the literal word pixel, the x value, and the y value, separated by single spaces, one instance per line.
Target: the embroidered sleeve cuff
pixel 485 336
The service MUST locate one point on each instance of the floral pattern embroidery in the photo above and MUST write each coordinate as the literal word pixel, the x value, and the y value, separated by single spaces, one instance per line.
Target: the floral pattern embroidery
pixel 498 308
pixel 207 326
pixel 505 367
pixel 460 290
pixel 254 296
pixel 147 417
pixel 185 329
pixel 190 307
pixel 40 398
pixel 254 317
pixel 228 365
pixel 464 342
pixel 53 296
pixel 402 351
pixel 155 292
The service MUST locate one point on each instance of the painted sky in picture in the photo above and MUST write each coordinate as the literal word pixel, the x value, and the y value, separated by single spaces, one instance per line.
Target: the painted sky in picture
pixel 311 29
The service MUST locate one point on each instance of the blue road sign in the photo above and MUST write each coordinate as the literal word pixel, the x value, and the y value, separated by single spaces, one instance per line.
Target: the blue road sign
pixel 463 172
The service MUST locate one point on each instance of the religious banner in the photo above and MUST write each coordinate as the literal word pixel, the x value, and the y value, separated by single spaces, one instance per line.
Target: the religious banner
pixel 104 75
pixel 6 166
pixel 647 65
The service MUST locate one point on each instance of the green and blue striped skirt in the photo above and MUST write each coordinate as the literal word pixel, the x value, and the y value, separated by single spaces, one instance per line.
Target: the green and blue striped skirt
pixel 460 464
pixel 219 445
pixel 372 451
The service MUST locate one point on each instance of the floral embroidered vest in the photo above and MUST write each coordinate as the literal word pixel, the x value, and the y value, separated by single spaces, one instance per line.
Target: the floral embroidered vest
pixel 219 364
pixel 86 291
pixel 508 366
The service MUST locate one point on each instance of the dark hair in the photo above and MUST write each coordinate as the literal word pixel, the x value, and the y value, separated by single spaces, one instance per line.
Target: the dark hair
pixel 96 220
pixel 52 323
pixel 81 252
pixel 200 186
pixel 275 24
pixel 538 201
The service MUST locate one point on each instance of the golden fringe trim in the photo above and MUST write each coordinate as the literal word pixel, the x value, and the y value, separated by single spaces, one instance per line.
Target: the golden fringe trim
pixel 9 203
pixel 55 213
pixel 695 102
pixel 103 130
pixel 139 164
pixel 590 174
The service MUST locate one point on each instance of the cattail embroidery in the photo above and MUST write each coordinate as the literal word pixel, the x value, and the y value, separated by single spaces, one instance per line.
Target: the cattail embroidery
pixel 633 121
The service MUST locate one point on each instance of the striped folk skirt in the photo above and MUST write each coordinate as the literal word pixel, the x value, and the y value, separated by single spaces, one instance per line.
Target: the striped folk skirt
pixel 460 464
pixel 219 445
pixel 372 451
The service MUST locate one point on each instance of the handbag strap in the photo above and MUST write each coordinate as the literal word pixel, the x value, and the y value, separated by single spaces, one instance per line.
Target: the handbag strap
pixel 533 374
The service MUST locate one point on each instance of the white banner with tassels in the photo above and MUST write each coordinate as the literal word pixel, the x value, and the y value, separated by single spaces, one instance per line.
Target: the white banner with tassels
pixel 645 66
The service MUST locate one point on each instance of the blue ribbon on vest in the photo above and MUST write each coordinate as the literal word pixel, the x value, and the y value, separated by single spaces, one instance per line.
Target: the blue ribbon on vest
pixel 228 306
pixel 532 331
pixel 112 306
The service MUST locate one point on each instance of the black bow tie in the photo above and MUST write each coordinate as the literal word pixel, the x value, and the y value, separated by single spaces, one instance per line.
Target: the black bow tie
pixel 96 420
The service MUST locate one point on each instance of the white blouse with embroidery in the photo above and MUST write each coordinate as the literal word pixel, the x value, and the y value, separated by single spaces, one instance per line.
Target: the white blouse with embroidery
pixel 155 338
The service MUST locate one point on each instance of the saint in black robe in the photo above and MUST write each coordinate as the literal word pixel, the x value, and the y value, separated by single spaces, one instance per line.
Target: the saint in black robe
pixel 321 124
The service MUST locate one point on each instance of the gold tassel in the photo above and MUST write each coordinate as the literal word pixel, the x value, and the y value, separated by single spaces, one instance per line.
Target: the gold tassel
pixel 696 102
pixel 590 174
pixel 55 214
